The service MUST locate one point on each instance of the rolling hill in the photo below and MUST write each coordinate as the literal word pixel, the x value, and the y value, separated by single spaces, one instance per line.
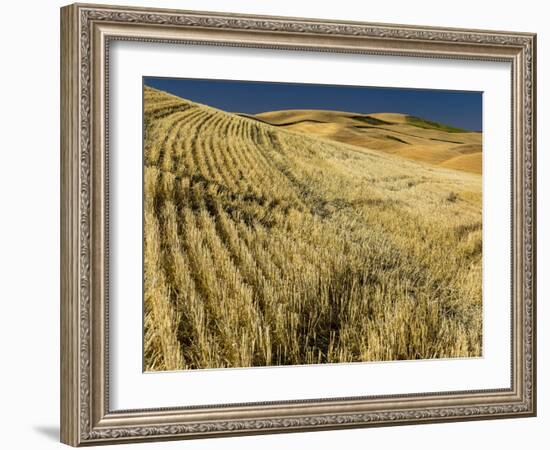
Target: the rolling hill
pixel 268 245
pixel 406 136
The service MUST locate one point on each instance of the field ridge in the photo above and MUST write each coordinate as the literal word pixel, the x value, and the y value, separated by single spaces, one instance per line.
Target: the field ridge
pixel 393 133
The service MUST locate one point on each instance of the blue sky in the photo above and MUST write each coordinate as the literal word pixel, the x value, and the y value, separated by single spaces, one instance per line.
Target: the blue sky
pixel 457 108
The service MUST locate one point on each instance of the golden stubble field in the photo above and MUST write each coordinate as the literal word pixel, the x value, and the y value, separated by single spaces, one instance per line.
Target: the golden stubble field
pixel 273 245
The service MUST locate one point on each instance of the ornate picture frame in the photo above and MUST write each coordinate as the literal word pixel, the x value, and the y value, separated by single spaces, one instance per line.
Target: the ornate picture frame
pixel 87 31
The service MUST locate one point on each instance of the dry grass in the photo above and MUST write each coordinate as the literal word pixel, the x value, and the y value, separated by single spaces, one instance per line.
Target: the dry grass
pixel 470 162
pixel 264 246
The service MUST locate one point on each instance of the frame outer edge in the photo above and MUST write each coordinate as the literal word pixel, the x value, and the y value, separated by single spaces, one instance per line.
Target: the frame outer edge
pixel 79 425
pixel 533 281
pixel 70 299
pixel 535 158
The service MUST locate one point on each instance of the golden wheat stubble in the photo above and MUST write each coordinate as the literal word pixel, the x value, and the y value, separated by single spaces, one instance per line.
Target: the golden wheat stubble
pixel 264 246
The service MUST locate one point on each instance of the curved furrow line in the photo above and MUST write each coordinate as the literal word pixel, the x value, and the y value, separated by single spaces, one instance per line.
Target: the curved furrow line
pixel 164 112
pixel 154 135
pixel 281 191
pixel 195 147
pixel 252 180
pixel 279 163
pixel 274 183
pixel 151 99
pixel 168 145
pixel 182 150
pixel 234 160
pixel 161 345
pixel 163 134
pixel 243 174
pixel 234 150
pixel 171 160
pixel 219 155
pixel 201 264
pixel 168 176
pixel 198 196
pixel 239 293
pixel 257 145
pixel 205 146
pixel 186 165
pixel 225 309
pixel 249 160
pixel 193 334
pixel 265 280
pixel 258 183
pixel 196 199
pixel 205 198
pixel 202 151
pixel 301 188
pixel 152 106
pixel 227 230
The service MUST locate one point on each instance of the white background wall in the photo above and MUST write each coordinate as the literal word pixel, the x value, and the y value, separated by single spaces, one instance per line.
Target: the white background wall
pixel 29 223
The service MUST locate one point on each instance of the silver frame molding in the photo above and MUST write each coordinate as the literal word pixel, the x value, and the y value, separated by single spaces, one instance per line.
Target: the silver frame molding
pixel 86 33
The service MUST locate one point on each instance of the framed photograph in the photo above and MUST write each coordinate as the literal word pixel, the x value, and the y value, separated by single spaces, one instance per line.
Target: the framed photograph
pixel 275 224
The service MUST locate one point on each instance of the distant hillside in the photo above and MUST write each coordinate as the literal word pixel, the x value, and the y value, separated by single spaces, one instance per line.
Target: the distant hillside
pixel 407 136
pixel 264 245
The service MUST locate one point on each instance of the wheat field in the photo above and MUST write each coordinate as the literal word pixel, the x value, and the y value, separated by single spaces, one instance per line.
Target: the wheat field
pixel 266 246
